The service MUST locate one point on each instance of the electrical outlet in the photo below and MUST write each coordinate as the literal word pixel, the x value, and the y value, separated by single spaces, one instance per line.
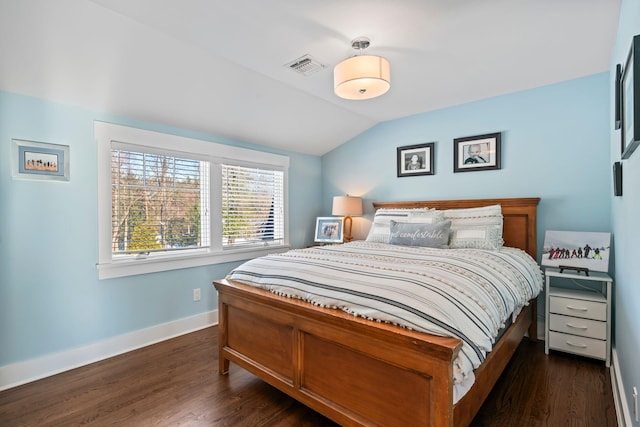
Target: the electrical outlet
pixel 635 403
pixel 196 294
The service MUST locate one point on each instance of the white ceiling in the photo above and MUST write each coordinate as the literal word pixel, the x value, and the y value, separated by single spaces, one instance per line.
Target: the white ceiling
pixel 218 66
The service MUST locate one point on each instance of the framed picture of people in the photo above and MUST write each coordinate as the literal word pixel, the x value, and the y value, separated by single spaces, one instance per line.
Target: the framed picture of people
pixel 416 160
pixel 39 160
pixel 583 250
pixel 476 153
pixel 328 230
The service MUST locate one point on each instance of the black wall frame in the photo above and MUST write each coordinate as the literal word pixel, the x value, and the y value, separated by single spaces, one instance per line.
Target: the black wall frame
pixel 617 179
pixel 630 101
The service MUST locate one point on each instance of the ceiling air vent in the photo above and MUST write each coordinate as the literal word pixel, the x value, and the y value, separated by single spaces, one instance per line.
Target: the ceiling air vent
pixel 306 65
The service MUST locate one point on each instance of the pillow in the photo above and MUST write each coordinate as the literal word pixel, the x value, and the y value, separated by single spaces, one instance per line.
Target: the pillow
pixel 477 228
pixel 379 231
pixel 420 234
pixel 476 237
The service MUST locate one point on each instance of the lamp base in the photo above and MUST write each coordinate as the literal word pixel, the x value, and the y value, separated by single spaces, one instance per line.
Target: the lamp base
pixel 347 229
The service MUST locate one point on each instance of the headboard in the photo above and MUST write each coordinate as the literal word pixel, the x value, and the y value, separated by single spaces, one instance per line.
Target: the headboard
pixel 519 223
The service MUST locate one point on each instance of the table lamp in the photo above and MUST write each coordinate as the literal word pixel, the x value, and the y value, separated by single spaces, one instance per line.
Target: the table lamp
pixel 347 206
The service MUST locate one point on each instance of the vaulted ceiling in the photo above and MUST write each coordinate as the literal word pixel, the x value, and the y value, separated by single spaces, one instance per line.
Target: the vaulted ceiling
pixel 220 66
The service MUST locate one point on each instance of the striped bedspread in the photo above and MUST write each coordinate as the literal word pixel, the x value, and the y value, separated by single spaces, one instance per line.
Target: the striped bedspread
pixel 464 293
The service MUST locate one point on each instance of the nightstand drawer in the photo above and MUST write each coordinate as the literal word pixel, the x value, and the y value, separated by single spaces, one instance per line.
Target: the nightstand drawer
pixel 578 345
pixel 579 308
pixel 578 326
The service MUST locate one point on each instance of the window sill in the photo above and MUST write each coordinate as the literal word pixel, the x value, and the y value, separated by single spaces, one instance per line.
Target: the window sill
pixel 132 267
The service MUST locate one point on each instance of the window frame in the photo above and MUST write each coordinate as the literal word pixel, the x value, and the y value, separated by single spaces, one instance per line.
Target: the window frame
pixel 107 135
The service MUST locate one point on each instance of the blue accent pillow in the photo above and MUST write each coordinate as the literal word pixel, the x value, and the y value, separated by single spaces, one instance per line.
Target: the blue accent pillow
pixel 420 234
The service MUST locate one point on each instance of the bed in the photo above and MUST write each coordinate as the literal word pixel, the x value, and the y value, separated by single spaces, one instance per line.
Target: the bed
pixel 362 372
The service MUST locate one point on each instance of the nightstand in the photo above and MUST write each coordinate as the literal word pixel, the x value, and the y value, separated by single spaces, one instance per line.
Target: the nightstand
pixel 579 321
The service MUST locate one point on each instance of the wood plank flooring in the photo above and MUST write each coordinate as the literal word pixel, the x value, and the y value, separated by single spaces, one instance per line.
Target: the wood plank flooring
pixel 176 383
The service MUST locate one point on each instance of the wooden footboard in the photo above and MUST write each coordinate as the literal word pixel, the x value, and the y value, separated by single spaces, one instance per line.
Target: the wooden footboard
pixel 354 371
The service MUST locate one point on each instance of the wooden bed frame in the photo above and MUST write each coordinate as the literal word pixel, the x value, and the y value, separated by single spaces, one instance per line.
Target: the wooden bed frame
pixel 359 372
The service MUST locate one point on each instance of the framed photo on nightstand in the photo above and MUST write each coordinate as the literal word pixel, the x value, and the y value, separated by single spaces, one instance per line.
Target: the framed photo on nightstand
pixel 328 230
pixel 578 250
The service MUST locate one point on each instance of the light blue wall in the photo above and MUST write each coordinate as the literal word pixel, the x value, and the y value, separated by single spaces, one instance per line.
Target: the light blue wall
pixel 554 146
pixel 626 227
pixel 50 297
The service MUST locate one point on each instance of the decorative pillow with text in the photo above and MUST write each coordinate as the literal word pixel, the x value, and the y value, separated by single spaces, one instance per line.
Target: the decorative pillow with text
pixel 420 234
pixel 379 231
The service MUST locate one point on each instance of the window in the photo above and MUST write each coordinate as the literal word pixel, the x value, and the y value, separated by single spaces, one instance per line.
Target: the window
pixel 157 201
pixel 251 206
pixel 168 202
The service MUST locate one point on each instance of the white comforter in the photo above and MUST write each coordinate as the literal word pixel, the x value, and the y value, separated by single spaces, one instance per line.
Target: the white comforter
pixel 464 293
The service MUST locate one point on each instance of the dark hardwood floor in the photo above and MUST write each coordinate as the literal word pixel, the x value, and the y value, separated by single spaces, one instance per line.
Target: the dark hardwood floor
pixel 176 383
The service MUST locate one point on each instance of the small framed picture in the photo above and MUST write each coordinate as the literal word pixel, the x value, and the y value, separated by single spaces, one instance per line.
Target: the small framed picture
pixel 328 230
pixel 39 160
pixel 476 153
pixel 416 160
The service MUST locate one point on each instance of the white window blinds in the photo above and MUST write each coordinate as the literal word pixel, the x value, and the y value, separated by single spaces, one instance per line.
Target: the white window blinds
pixel 159 203
pixel 252 206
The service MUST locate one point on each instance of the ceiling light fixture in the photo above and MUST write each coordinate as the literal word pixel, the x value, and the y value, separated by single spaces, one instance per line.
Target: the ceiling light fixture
pixel 362 76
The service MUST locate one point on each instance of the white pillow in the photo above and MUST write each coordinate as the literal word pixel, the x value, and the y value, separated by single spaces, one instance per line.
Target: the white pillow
pixel 380 228
pixel 477 228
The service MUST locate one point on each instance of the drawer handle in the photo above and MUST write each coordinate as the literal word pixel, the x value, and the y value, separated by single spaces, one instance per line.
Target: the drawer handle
pixel 576 345
pixel 576 327
pixel 577 308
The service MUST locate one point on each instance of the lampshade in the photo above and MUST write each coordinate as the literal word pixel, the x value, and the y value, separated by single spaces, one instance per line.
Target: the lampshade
pixel 347 206
pixel 362 76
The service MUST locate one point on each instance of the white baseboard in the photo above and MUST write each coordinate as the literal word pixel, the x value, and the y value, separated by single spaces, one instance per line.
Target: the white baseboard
pixel 622 409
pixel 23 372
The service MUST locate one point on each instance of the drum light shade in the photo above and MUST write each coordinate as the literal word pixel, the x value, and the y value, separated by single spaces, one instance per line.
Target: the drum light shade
pixel 362 77
pixel 346 206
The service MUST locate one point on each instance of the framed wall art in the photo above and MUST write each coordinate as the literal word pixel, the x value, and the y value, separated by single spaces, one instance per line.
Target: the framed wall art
pixel 476 153
pixel 328 230
pixel 617 179
pixel 414 160
pixel 630 102
pixel 39 160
